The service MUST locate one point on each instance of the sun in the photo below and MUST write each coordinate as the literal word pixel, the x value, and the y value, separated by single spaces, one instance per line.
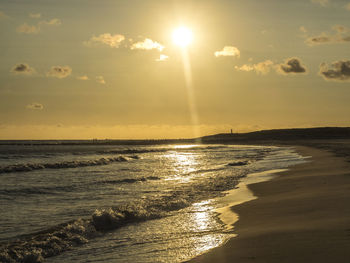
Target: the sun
pixel 182 36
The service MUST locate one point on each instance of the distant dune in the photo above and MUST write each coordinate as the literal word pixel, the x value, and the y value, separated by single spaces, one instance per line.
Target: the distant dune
pixel 280 135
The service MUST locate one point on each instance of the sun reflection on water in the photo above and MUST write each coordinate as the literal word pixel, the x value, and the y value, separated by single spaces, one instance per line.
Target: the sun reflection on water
pixel 187 146
pixel 183 164
pixel 204 222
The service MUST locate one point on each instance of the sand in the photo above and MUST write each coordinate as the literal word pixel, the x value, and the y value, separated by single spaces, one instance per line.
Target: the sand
pixel 301 215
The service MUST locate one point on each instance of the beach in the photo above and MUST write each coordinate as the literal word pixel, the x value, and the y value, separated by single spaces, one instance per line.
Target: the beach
pixel 301 215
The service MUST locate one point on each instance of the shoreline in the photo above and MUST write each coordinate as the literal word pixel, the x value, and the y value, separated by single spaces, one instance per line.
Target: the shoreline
pixel 301 215
pixel 240 195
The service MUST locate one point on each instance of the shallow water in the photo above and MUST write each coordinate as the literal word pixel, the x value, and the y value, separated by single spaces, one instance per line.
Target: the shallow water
pixel 121 203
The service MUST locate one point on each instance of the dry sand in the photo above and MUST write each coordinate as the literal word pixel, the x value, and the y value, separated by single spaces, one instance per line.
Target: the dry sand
pixel 302 215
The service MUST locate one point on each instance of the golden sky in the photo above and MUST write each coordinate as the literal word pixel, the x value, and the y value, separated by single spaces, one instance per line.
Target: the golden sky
pixel 111 69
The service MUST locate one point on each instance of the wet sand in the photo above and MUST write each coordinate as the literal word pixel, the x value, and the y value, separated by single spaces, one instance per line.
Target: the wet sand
pixel 302 215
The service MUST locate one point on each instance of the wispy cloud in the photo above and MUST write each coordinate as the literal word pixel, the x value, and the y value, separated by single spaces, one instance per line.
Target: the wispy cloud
pixel 84 77
pixel 59 72
pixel 23 69
pixel 3 15
pixel 35 29
pixel 35 106
pixel 35 15
pixel 101 80
pixel 303 29
pixel 323 3
pixel 260 68
pixel 28 29
pixel 228 51
pixel 52 22
pixel 339 71
pixel 162 57
pixel 340 36
pixel 106 39
pixel 291 66
pixel 340 29
pixel 147 44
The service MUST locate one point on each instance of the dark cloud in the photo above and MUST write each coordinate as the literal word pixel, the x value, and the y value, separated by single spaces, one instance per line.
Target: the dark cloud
pixel 35 106
pixel 292 65
pixel 327 39
pixel 319 40
pixel 22 68
pixel 341 36
pixel 339 71
pixel 59 72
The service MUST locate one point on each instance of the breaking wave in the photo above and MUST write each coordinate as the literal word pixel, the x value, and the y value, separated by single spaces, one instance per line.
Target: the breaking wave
pixel 63 165
pixel 37 246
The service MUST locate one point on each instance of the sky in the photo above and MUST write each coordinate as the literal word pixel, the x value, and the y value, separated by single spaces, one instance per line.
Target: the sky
pixel 83 69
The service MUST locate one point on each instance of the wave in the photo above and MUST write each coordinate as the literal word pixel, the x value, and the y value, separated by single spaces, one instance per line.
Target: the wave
pixel 63 165
pixel 159 150
pixel 69 188
pixel 37 246
pixel 238 163
pixel 53 241
pixel 133 151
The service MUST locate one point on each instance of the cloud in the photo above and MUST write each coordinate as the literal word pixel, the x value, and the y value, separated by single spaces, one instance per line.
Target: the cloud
pixel 59 72
pixel 303 29
pixel 106 39
pixel 228 51
pixel 340 29
pixel 162 57
pixel 291 66
pixel 36 15
pixel 35 106
pixel 260 68
pixel 321 2
pixel 325 38
pixel 52 22
pixel 84 77
pixel 101 80
pixel 245 67
pixel 347 6
pixel 23 69
pixel 339 71
pixel 3 15
pixel 28 29
pixel 35 29
pixel 147 44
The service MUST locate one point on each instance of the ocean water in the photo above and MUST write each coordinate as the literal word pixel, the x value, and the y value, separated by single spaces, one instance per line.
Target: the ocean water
pixel 110 203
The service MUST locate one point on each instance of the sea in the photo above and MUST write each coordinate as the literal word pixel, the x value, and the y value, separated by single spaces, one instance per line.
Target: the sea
pixel 90 202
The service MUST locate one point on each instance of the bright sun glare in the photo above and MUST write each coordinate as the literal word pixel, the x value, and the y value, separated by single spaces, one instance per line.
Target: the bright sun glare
pixel 182 36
